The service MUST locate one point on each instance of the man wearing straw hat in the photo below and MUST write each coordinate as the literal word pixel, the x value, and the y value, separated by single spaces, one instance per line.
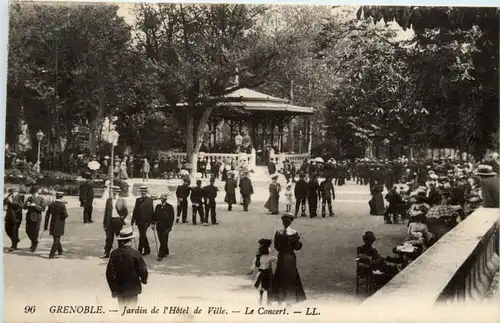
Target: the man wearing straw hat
pixel 115 213
pixel 126 270
pixel 163 220
pixel 56 214
pixel 142 216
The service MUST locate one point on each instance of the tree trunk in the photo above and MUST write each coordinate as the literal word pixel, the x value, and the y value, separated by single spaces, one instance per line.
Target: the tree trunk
pixel 194 139
pixel 96 124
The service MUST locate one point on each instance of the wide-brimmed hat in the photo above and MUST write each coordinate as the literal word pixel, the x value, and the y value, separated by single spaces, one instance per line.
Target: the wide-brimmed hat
pixel 143 188
pixel 369 236
pixel 126 234
pixel 484 170
pixel 302 174
pixel 265 242
pixel 288 216
pixel 474 199
pixel 106 157
pixel 274 176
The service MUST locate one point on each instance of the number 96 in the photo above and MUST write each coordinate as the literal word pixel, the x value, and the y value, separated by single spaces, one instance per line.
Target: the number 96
pixel 28 309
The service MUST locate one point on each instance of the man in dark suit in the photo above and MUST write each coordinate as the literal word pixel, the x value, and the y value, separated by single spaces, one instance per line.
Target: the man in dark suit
pixel 489 186
pixel 56 214
pixel 115 212
pixel 14 216
pixel 300 193
pixel 35 206
pixel 126 270
pixel 327 191
pixel 230 189
pixel 210 194
pixel 246 190
pixel 142 216
pixel 182 194
pixel 87 199
pixel 197 202
pixel 163 220
pixel 271 167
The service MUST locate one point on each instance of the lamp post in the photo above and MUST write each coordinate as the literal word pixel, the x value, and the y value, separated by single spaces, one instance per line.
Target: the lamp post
pixel 113 140
pixel 39 138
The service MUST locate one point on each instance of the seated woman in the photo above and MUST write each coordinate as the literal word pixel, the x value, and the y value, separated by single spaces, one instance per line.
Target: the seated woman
pixel 417 202
pixel 372 262
pixel 418 233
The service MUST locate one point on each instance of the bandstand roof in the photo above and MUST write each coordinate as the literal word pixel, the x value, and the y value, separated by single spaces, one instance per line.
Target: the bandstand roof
pixel 245 101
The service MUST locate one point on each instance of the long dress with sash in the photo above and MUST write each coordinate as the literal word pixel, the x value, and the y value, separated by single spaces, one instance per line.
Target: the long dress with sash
pixel 286 285
pixel 272 203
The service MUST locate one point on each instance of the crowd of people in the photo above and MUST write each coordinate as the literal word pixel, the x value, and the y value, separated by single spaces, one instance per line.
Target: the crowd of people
pixel 432 195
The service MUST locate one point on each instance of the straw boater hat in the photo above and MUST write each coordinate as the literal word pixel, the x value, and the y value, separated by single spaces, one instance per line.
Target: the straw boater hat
pixel 106 157
pixel 274 176
pixel 485 170
pixel 143 188
pixel 59 195
pixel 126 234
pixel 115 188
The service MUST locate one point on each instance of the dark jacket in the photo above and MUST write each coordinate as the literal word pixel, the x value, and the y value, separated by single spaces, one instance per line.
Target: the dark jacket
pixel 246 187
pixel 313 189
pixel 125 272
pixel 121 210
pixel 271 167
pixel 196 195
pixel 300 189
pixel 86 194
pixel 143 211
pixel 327 190
pixel 489 188
pixel 56 214
pixel 34 213
pixel 163 217
pixel 210 193
pixel 230 187
pixel 183 191
pixel 14 209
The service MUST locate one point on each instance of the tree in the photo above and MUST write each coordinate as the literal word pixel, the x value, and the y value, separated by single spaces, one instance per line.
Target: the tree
pixel 66 66
pixel 195 51
pixel 374 97
pixel 438 29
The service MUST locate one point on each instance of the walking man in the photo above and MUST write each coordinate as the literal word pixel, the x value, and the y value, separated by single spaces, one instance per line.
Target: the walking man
pixel 142 216
pixel 163 220
pixel 182 194
pixel 87 199
pixel 35 206
pixel 126 270
pixel 210 194
pixel 115 213
pixel 246 190
pixel 14 216
pixel 197 203
pixel 230 189
pixel 327 192
pixel 300 192
pixel 56 214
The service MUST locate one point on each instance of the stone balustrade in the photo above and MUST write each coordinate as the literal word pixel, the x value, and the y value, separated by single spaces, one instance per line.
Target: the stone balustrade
pixel 458 269
pixel 250 159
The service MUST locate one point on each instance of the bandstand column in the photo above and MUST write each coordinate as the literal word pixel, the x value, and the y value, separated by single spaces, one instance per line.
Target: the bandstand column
pixel 280 143
pixel 272 134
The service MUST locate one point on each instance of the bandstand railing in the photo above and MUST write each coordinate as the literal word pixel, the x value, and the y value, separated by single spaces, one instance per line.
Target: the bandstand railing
pixel 458 269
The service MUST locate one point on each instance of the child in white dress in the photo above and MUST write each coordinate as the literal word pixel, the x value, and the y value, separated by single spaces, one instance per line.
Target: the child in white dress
pixel 289 194
pixel 262 263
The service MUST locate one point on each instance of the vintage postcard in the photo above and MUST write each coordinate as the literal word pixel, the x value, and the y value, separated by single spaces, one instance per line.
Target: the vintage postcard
pixel 180 162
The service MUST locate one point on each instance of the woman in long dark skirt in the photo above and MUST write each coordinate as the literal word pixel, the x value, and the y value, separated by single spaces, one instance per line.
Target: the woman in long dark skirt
pixel 377 201
pixel 272 203
pixel 286 286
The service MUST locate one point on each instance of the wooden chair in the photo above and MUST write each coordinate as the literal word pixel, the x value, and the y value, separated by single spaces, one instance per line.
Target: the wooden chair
pixel 363 272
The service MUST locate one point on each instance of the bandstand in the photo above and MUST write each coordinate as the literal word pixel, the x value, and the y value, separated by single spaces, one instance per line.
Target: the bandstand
pixel 259 120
